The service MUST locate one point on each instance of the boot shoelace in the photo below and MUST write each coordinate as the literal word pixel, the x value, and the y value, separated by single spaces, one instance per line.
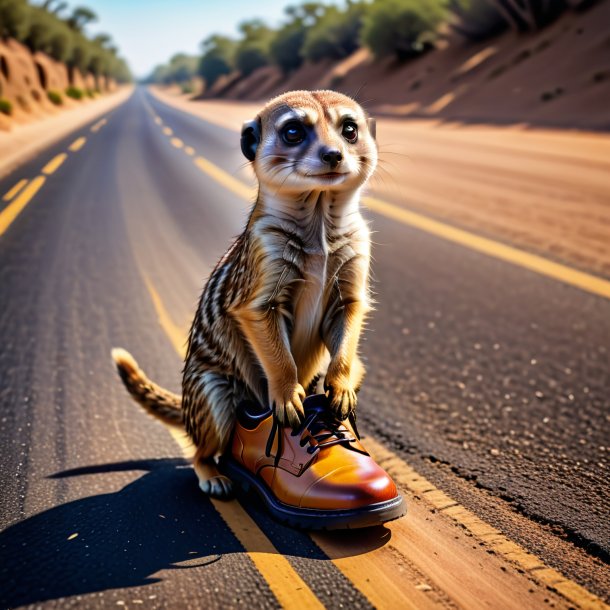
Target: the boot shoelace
pixel 319 428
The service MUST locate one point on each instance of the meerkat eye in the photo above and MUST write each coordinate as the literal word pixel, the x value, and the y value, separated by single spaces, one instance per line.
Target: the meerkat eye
pixel 350 131
pixel 293 133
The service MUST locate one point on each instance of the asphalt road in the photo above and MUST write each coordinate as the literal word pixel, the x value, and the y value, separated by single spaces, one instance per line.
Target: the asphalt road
pixel 491 380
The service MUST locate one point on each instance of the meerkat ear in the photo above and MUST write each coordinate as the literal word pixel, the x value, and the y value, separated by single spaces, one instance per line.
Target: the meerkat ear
pixel 372 125
pixel 250 138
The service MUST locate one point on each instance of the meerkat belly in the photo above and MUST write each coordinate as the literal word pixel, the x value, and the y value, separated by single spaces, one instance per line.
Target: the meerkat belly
pixel 306 341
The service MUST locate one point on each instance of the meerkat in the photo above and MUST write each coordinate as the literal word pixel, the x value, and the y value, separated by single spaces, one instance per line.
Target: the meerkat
pixel 285 305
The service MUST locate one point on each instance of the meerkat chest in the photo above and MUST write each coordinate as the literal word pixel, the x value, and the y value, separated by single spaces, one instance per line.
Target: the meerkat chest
pixel 309 298
pixel 309 302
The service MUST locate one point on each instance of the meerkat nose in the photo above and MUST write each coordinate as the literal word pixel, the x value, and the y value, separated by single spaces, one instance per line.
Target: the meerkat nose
pixel 331 156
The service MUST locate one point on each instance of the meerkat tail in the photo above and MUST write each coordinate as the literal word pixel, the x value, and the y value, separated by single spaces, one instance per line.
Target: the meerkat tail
pixel 157 401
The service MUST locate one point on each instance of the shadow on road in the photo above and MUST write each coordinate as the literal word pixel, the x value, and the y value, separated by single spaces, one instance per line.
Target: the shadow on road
pixel 158 522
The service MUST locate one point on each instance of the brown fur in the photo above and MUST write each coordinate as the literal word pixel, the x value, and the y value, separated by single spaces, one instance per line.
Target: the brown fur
pixel 287 302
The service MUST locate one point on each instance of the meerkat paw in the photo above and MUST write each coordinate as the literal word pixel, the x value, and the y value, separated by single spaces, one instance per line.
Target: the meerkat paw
pixel 218 487
pixel 343 400
pixel 211 482
pixel 288 405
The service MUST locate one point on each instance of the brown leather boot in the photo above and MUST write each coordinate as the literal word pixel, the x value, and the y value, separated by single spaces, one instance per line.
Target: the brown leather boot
pixel 318 476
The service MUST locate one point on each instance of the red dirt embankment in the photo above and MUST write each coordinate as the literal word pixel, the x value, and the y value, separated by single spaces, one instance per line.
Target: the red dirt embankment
pixel 557 77
pixel 26 79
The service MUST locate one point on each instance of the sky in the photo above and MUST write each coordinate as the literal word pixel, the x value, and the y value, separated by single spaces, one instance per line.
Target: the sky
pixel 149 32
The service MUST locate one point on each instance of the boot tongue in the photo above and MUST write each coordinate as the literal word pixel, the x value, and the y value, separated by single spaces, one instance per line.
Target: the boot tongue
pixel 315 402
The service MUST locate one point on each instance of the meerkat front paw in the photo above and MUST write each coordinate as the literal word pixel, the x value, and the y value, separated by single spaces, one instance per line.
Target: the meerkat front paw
pixel 288 404
pixel 218 487
pixel 211 482
pixel 343 399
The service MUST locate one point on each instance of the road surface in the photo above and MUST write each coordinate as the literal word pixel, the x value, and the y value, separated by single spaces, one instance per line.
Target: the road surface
pixel 487 397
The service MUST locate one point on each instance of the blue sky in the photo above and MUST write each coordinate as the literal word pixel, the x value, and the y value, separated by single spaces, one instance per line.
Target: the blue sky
pixel 149 32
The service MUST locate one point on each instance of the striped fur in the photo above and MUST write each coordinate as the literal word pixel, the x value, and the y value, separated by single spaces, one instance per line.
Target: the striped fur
pixel 288 300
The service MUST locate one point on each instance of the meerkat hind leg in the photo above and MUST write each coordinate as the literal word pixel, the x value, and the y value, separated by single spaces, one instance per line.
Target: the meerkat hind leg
pixel 211 482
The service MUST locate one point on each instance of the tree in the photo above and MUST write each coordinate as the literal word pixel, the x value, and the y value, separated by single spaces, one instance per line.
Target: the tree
pixel 218 57
pixel 335 34
pixel 14 19
pixel 253 50
pixel 403 28
pixel 80 17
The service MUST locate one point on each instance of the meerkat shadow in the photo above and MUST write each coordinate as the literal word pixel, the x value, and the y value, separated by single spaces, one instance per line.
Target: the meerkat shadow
pixel 128 538
pixel 113 540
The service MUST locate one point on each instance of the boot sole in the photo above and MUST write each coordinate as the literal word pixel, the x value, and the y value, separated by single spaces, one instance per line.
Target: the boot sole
pixel 309 518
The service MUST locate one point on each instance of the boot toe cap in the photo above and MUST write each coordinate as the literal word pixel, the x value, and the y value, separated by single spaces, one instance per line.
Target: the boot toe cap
pixel 349 487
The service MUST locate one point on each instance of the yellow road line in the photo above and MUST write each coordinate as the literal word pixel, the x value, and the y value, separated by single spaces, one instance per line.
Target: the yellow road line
pixel 177 142
pixel 54 163
pixel 167 131
pixel 288 587
pixel 228 181
pixel 13 209
pixel 77 144
pixel 405 476
pixel 189 150
pixel 174 332
pixel 538 264
pixel 158 120
pixel 98 125
pixel 15 189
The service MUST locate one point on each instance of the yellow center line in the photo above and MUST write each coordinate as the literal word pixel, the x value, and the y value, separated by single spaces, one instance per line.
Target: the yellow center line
pixel 177 142
pixel 158 120
pixel 54 163
pixel 13 209
pixel 189 150
pixel 228 181
pixel 167 131
pixel 99 125
pixel 77 144
pixel 13 191
pixel 285 583
pixel 532 262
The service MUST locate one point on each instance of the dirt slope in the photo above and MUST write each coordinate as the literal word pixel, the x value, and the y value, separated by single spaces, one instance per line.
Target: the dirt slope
pixel 557 77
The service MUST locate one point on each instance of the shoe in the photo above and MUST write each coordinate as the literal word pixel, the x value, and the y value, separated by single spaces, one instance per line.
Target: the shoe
pixel 317 476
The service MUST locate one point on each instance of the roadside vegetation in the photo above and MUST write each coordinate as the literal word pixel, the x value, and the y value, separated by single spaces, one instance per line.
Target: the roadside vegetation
pixel 313 32
pixel 60 34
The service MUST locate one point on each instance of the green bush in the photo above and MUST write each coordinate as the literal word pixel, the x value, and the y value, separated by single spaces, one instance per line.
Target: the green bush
pixel 75 93
pixel 90 93
pixel 55 97
pixel 187 88
pixel 404 28
pixel 5 106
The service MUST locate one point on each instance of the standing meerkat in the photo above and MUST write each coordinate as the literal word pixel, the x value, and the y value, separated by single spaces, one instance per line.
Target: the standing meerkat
pixel 285 305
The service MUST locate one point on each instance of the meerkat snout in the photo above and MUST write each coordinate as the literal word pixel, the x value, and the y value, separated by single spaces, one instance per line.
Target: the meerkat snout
pixel 331 156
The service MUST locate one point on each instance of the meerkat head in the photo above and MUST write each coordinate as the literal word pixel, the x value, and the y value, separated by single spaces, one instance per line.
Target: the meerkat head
pixel 305 141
